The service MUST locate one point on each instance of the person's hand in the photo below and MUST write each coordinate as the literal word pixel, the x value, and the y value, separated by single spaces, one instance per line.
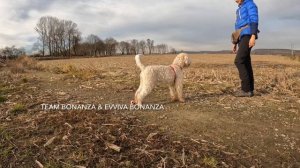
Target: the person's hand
pixel 234 48
pixel 252 41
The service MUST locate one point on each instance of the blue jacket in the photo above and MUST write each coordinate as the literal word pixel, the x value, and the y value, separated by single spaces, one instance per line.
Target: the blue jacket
pixel 247 14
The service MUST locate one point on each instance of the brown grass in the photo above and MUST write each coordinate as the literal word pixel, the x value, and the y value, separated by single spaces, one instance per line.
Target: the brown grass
pixel 274 74
pixel 23 64
pixel 212 129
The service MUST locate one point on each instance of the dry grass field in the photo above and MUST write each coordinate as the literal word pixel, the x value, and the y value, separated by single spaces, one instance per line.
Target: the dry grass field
pixel 211 129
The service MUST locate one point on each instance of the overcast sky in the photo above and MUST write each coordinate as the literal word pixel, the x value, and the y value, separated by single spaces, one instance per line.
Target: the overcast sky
pixel 182 24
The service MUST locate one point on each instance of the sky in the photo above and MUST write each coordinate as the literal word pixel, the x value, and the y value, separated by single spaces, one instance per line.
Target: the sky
pixel 194 25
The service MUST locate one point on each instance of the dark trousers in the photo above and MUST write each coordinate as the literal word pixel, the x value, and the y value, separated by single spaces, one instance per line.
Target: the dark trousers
pixel 243 64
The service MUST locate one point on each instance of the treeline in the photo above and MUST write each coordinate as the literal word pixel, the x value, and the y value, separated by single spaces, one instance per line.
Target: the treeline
pixel 57 37
pixel 63 38
pixel 11 52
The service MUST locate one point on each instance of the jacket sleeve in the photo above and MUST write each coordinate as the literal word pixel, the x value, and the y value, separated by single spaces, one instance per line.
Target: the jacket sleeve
pixel 253 17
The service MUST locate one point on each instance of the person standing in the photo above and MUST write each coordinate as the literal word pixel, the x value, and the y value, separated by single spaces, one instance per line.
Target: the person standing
pixel 247 21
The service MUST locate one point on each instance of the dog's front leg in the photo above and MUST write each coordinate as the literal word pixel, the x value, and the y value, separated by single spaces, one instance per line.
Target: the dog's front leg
pixel 179 88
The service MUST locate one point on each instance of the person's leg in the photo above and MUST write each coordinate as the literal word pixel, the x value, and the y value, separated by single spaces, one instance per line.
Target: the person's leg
pixel 242 63
pixel 250 72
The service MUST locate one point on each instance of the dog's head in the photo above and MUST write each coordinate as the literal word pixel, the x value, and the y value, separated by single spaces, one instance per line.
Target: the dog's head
pixel 182 60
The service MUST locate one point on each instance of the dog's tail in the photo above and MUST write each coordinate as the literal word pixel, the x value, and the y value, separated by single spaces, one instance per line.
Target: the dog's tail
pixel 138 62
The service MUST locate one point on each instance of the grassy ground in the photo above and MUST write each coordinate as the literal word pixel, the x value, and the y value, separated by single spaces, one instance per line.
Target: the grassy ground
pixel 212 129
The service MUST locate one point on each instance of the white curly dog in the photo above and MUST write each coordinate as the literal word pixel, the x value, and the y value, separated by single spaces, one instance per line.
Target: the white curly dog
pixel 154 74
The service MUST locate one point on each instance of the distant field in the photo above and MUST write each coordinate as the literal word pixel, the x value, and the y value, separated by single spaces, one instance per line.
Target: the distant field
pixel 211 129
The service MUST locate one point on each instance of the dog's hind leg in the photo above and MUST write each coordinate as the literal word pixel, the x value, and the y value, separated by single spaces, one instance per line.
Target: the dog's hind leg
pixel 137 93
pixel 145 90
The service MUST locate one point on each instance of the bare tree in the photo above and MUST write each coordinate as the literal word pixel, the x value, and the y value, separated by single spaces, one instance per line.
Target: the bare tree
pixel 100 47
pixel 72 35
pixel 127 48
pixel 173 50
pixel 134 46
pixel 157 49
pixel 92 40
pixel 83 49
pixel 161 48
pixel 38 49
pixel 60 44
pixel 150 45
pixel 142 46
pixel 110 46
pixel 93 45
pixel 63 38
pixel 122 47
pixel 12 52
pixel 51 33
pixel 41 29
pixel 59 37
pixel 76 41
pixel 165 48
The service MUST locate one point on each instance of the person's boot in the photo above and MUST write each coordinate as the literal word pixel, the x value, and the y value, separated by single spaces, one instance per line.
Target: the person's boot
pixel 241 93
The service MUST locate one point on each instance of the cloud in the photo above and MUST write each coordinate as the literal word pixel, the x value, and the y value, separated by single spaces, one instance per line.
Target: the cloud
pixel 186 25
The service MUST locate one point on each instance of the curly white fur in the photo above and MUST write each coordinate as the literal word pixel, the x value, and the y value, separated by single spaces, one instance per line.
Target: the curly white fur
pixel 153 74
